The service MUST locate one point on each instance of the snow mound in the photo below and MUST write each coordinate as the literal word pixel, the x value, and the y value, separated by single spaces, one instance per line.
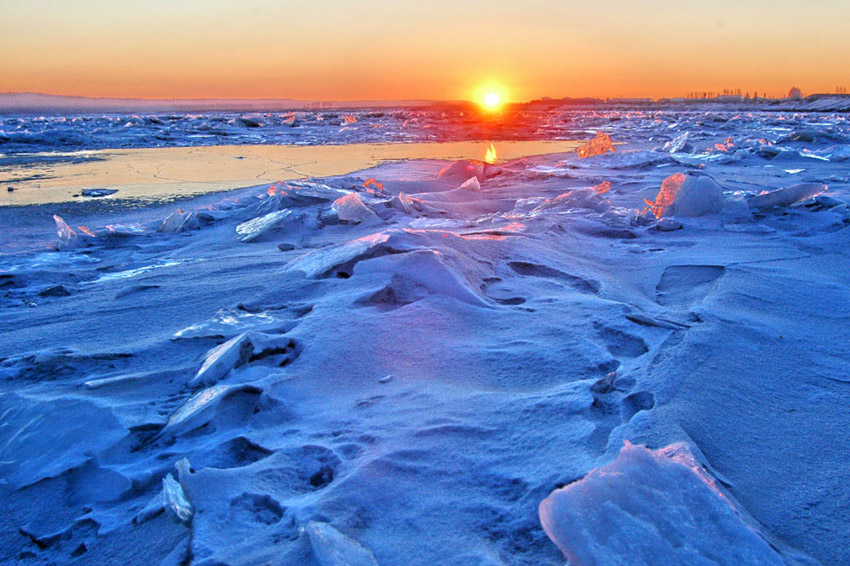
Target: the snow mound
pixel 651 507
pixel 684 194
pixel 25 457
pixel 597 146
pixel 422 269
pixel 462 170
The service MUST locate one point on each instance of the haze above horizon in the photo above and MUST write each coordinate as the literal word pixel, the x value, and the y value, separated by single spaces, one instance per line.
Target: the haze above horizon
pixel 383 50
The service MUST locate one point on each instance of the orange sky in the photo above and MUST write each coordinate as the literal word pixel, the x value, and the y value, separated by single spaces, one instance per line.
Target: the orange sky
pixel 347 50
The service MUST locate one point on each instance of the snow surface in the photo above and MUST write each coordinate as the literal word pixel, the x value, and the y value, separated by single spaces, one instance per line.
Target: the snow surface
pixel 176 395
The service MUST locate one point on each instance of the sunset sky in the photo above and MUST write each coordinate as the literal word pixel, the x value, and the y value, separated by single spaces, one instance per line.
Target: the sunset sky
pixel 441 49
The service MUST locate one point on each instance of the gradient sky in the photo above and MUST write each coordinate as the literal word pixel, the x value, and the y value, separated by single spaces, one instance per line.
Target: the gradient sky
pixel 433 49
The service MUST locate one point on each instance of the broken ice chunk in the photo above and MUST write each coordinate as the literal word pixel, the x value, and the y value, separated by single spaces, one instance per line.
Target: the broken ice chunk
pixel 257 227
pixel 95 193
pixel 123 230
pixel 175 502
pixel 589 198
pixel 326 260
pixel 651 507
pixel 410 205
pixel 178 221
pixel 332 548
pixel 229 322
pixel 221 359
pixel 471 184
pixel 678 144
pixel 597 146
pixel 668 225
pixel 687 195
pixel 237 351
pixel 786 196
pixel 67 236
pixel 201 408
pixel 351 209
pixel 317 191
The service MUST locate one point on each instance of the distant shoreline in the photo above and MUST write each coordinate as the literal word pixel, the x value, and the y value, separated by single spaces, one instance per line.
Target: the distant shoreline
pixel 30 103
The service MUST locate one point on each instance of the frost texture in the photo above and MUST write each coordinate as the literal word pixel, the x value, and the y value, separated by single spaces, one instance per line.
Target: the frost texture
pixel 597 146
pixel 651 507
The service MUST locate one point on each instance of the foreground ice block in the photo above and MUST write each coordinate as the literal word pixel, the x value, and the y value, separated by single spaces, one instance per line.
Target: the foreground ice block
pixel 332 548
pixel 651 507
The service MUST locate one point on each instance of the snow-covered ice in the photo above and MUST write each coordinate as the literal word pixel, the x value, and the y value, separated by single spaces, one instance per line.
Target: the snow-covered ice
pixel 403 362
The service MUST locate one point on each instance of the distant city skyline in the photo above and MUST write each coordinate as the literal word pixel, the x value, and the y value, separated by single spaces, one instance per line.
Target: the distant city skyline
pixel 383 50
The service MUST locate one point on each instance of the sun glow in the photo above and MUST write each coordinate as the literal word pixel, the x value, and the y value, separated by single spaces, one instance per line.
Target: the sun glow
pixel 491 101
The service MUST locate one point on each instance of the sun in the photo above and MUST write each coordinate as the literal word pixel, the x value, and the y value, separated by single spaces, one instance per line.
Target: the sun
pixel 491 101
